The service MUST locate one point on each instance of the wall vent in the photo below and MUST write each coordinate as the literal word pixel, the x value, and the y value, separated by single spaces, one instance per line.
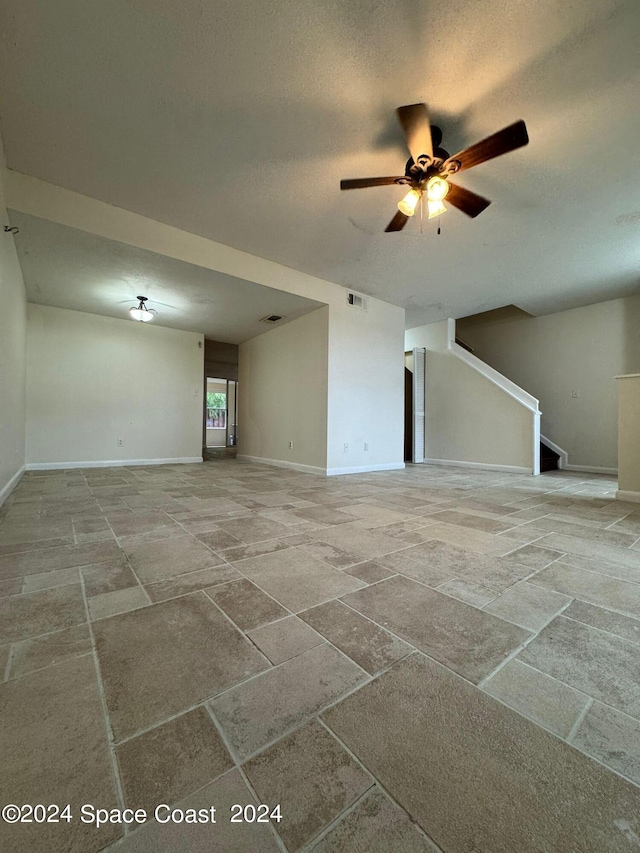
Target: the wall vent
pixel 356 301
pixel 271 318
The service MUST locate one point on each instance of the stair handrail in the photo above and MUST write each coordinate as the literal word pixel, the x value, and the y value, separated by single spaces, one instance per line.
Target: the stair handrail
pixel 509 387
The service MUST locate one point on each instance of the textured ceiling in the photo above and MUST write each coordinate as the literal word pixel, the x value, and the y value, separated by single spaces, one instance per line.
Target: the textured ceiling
pixel 68 268
pixel 236 121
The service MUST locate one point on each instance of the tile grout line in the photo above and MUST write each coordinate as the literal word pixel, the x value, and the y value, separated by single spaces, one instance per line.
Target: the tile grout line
pixel 598 574
pixel 297 726
pixel 579 720
pixel 242 630
pixel 589 701
pixel 47 633
pixel 604 630
pixel 526 579
pixel 203 702
pixel 279 841
pixel 238 767
pixel 223 735
pixel 119 788
pixel 522 646
pixel 376 783
pixel 156 725
pixel 138 829
pixel 7 669
pixel 321 834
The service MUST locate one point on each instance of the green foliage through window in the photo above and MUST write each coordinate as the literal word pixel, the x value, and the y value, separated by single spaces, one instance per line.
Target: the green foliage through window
pixel 216 400
pixel 216 409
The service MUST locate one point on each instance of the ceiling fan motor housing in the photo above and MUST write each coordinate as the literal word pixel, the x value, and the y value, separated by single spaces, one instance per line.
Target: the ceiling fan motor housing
pixel 429 161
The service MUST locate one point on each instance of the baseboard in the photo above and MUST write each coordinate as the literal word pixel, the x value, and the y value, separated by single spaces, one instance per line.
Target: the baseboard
pixel 325 472
pixel 283 463
pixel 13 482
pixel 631 497
pixel 485 466
pixel 111 463
pixel 365 469
pixel 591 469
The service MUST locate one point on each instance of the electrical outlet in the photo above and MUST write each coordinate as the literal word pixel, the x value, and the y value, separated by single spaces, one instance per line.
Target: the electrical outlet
pixel 120 442
pixel 290 445
pixel 366 445
pixel 346 447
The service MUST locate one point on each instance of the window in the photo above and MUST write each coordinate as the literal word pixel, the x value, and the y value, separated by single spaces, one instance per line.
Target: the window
pixel 216 410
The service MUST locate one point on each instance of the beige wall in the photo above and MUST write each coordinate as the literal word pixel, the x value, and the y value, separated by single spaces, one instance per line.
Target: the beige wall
pixel 550 357
pixel 92 380
pixel 282 393
pixel 468 418
pixel 13 337
pixel 365 348
pixel 629 437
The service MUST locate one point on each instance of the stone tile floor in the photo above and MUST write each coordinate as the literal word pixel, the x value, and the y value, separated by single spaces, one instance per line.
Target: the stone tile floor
pixel 423 660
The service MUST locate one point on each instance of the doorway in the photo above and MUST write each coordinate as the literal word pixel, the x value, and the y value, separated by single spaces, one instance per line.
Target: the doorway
pixel 221 414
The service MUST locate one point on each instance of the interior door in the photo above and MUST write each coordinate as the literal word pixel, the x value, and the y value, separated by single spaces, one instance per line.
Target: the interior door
pixel 419 373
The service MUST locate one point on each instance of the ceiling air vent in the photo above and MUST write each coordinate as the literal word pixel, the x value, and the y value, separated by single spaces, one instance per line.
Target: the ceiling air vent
pixel 271 318
pixel 356 301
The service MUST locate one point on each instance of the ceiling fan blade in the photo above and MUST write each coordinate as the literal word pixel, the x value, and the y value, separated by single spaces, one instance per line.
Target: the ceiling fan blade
pixel 360 183
pixel 398 222
pixel 417 129
pixel 470 203
pixel 508 139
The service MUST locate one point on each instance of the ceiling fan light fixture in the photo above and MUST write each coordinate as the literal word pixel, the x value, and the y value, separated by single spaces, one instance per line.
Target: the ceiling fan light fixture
pixel 437 188
pixel 409 203
pixel 141 313
pixel 435 208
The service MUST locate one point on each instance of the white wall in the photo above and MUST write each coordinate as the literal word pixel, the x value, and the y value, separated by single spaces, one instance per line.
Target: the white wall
pixel 282 393
pixel 366 387
pixel 433 336
pixel 468 418
pixel 552 356
pixel 92 380
pixel 13 337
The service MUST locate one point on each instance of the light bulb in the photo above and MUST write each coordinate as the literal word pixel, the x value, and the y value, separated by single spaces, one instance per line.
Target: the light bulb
pixel 409 203
pixel 143 315
pixel 435 208
pixel 437 188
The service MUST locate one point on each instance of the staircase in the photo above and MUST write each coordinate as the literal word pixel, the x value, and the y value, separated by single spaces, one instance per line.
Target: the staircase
pixel 548 458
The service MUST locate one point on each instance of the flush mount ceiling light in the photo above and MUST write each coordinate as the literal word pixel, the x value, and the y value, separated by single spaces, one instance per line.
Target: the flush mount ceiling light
pixel 142 313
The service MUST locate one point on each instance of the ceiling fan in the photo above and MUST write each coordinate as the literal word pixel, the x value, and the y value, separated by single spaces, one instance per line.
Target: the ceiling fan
pixel 429 168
